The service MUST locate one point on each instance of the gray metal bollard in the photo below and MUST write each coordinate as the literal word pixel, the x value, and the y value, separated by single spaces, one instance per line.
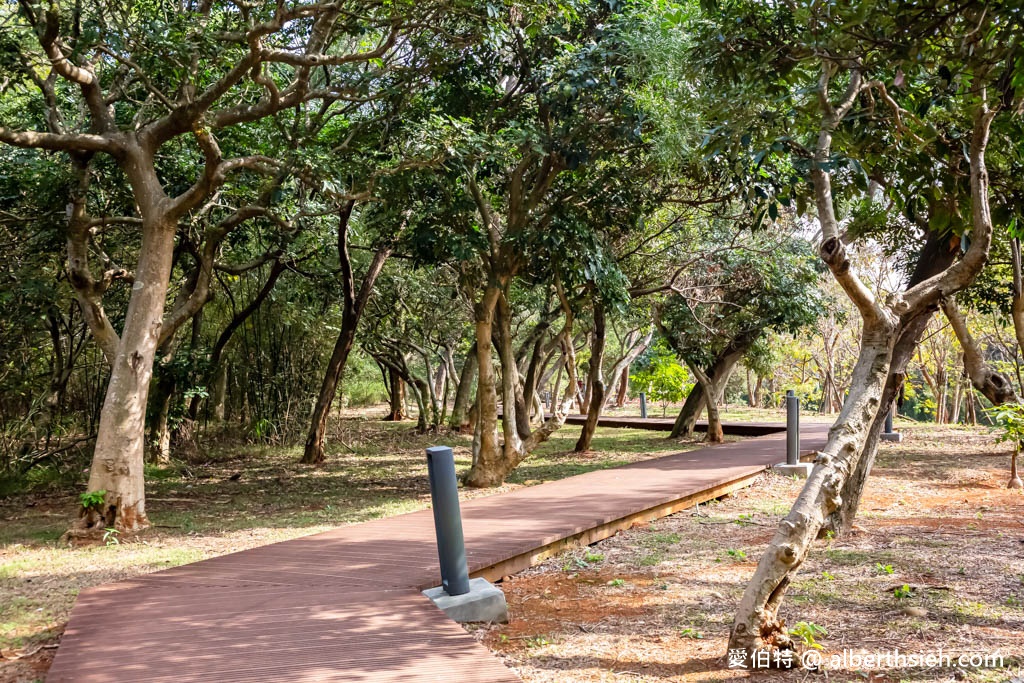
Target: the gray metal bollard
pixel 792 428
pixel 643 405
pixel 451 547
pixel 888 421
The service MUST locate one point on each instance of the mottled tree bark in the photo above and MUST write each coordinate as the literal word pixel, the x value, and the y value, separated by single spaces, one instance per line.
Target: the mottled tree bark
pixel 757 625
pixel 464 393
pixel 718 374
pixel 595 380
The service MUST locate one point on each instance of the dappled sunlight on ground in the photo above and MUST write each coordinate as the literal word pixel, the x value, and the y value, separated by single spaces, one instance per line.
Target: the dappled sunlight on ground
pixel 228 498
pixel 656 603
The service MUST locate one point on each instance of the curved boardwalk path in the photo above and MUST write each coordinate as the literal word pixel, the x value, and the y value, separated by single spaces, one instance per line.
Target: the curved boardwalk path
pixel 345 605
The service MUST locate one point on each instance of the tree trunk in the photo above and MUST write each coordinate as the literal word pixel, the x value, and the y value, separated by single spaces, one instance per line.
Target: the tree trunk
pixel 711 391
pixel 620 397
pixel 588 393
pixel 353 304
pixel 492 462
pixel 396 397
pixel 313 453
pixel 117 464
pixel 1017 307
pixel 993 385
pixel 1015 482
pixel 460 410
pixel 954 417
pixel 160 433
pixel 686 420
pixel 515 411
pixel 757 626
pixel 937 255
pixel 595 380
pixel 719 374
pixel 487 454
pixel 219 392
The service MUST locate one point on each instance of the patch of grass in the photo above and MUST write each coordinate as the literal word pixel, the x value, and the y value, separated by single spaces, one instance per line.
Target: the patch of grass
pixel 656 545
pixel 852 558
pixel 660 539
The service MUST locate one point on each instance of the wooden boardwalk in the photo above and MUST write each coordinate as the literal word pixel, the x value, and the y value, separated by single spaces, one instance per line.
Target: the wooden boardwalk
pixel 345 605
pixel 665 424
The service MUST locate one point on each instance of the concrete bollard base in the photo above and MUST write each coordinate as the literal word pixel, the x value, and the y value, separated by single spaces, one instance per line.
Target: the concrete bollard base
pixel 483 602
pixel 895 437
pixel 800 470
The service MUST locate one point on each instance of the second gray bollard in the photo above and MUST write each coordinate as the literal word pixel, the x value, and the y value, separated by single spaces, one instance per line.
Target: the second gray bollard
pixel 792 428
pixel 888 421
pixel 444 494
pixel 643 405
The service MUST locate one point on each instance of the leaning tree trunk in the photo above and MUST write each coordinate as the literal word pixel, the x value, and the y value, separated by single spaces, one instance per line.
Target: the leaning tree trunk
pixel 711 391
pixel 993 385
pixel 313 453
pixel 620 397
pixel 757 625
pixel 719 374
pixel 936 256
pixel 117 473
pixel 596 380
pixel 686 420
pixel 353 304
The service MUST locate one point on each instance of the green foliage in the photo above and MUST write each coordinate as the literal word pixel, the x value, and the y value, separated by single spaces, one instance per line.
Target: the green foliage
pixel 92 500
pixel 884 568
pixel 808 632
pixel 1010 420
pixel 661 377
pixel 763 284
pixel 902 592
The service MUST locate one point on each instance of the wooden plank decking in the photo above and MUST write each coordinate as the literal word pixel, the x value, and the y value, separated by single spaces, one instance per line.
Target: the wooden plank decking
pixel 344 605
pixel 665 424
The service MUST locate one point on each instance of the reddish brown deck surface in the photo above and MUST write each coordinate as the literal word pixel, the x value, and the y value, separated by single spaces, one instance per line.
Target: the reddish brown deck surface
pixel 344 605
pixel 665 424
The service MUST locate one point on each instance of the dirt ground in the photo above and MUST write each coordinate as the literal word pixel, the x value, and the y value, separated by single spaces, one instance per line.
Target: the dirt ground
pixel 936 562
